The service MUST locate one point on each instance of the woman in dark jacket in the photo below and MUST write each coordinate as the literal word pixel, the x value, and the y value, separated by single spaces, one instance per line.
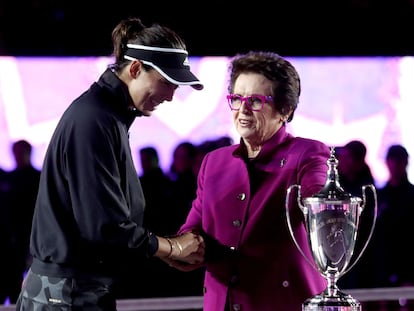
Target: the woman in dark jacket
pixel 88 219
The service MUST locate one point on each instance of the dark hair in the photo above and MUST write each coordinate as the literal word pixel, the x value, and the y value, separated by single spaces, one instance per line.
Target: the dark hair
pixel 285 78
pixel 132 30
pixel 189 147
pixel 357 149
pixel 151 151
pixel 397 152
pixel 24 146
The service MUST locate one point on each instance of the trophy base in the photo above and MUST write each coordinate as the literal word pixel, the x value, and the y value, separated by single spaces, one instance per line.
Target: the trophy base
pixel 339 302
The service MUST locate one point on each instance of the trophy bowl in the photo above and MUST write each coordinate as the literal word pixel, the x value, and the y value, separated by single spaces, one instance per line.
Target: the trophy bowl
pixel 332 219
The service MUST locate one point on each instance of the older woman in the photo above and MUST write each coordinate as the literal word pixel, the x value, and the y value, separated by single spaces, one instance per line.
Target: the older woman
pixel 252 262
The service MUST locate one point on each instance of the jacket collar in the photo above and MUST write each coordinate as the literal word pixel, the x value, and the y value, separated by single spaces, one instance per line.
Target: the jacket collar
pixel 119 91
pixel 269 146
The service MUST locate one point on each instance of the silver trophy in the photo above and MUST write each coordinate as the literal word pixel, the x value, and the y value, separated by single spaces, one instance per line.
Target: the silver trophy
pixel 332 218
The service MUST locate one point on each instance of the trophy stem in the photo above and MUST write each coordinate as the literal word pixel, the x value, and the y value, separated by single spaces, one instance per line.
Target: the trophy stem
pixel 332 289
pixel 332 299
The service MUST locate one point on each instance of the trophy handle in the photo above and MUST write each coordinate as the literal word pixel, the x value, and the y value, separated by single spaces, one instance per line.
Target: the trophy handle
pixel 362 208
pixel 305 212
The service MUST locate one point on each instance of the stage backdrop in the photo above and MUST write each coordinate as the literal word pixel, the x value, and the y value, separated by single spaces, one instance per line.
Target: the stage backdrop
pixel 343 98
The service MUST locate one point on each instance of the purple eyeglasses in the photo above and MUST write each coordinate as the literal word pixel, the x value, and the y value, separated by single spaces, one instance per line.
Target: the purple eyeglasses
pixel 253 102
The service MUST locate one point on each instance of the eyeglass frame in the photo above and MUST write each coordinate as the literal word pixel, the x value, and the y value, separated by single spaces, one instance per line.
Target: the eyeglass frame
pixel 264 99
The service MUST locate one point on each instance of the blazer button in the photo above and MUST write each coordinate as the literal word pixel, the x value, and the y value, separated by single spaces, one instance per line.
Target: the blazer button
pixel 241 196
pixel 236 307
pixel 285 284
pixel 236 223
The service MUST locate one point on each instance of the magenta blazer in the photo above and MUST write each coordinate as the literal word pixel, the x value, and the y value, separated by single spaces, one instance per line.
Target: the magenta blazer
pixel 262 269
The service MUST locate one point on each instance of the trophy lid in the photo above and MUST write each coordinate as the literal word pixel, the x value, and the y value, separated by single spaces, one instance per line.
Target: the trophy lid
pixel 332 190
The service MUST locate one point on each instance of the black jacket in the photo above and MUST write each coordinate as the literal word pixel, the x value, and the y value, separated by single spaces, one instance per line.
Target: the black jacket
pixel 89 211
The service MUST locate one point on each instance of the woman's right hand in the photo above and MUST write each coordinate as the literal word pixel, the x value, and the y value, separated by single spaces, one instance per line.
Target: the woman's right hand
pixel 188 248
pixel 191 248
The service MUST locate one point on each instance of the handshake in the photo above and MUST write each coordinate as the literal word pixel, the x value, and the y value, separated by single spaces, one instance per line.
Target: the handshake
pixel 184 252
